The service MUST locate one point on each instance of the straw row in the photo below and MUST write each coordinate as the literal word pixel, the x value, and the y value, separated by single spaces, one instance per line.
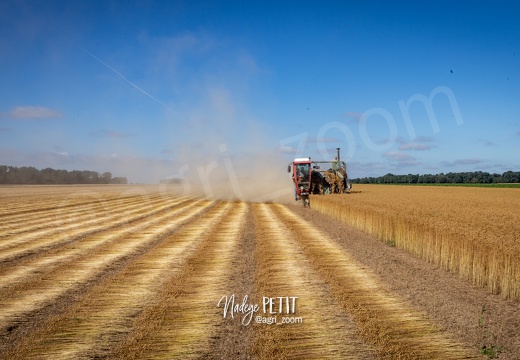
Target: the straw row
pixel 119 300
pixel 80 263
pixel 284 271
pixel 385 321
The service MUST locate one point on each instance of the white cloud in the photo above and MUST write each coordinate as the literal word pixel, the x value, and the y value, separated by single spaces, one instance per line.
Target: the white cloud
pixel 402 159
pixel 486 142
pixel 397 156
pixel 415 146
pixel 471 161
pixel 325 139
pixel 48 159
pixel 419 143
pixel 34 112
pixel 423 139
pixel 286 149
pixel 330 153
pixel 354 115
pixel 6 156
pixel 356 169
pixel 114 134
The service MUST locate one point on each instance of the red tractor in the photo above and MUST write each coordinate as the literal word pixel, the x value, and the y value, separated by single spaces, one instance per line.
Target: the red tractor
pixel 309 179
pixel 302 175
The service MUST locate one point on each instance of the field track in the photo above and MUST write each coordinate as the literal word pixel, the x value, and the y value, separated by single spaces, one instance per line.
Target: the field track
pixel 121 273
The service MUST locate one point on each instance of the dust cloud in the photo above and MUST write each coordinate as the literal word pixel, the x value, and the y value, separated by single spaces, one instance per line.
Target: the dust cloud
pixel 253 176
pixel 223 152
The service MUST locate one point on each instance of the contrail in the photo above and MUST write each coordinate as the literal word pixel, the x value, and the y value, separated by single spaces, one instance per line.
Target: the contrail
pixel 124 78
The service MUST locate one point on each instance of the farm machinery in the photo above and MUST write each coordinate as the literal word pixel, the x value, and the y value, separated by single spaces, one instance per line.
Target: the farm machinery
pixel 308 178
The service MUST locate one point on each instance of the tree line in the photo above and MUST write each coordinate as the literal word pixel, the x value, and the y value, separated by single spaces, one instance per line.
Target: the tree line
pixel 28 175
pixel 476 177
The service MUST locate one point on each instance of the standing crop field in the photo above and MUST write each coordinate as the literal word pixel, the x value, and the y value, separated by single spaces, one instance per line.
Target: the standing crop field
pixel 474 232
pixel 133 272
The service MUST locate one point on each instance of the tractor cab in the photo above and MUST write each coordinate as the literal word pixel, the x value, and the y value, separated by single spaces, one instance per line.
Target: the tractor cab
pixel 302 174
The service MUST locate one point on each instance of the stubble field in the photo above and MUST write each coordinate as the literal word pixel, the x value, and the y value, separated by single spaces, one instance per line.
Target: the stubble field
pixel 138 272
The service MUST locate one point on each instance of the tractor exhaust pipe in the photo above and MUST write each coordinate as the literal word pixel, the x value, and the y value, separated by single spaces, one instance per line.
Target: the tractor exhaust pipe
pixel 337 158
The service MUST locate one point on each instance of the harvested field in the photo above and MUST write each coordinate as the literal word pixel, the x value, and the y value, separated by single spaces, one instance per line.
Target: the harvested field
pixel 138 272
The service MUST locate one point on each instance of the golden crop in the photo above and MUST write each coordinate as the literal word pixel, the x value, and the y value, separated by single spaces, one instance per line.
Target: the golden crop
pixel 133 272
pixel 474 232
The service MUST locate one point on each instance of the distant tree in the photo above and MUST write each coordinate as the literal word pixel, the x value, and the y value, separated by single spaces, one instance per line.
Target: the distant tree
pixel 441 178
pixel 455 178
pixel 511 177
pixel 31 175
pixel 119 180
pixel 497 178
pixel 106 177
pixel 3 174
pixel 475 177
pixel 412 179
pixel 388 178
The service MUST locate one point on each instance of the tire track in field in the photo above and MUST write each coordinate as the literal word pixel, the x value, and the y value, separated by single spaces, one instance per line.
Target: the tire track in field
pixel 384 320
pixel 13 207
pixel 64 216
pixel 49 238
pixel 78 244
pixel 12 215
pixel 44 262
pixel 61 215
pixel 182 324
pixel 117 245
pixel 283 270
pixel 232 340
pixel 52 204
pixel 105 315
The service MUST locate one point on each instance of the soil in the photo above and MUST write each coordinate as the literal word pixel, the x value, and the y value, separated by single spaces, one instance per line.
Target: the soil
pixel 474 316
pixel 359 297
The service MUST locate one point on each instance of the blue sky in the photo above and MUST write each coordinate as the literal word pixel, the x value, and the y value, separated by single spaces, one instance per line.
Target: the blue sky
pixel 145 88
